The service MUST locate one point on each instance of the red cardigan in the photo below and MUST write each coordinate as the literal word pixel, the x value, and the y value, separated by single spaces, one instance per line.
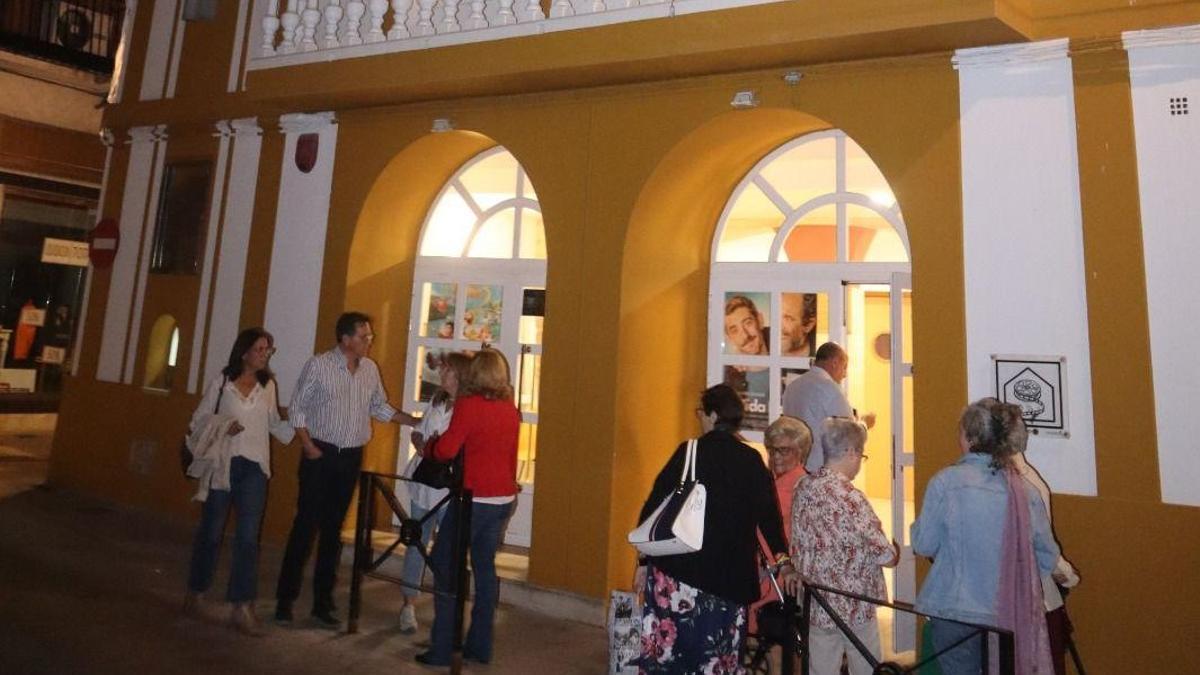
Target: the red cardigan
pixel 487 431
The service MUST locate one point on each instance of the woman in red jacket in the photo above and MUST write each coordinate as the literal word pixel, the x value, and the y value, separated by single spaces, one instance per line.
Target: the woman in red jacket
pixel 485 425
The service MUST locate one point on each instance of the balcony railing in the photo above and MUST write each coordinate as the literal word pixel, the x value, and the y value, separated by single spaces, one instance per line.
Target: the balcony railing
pixel 83 34
pixel 291 32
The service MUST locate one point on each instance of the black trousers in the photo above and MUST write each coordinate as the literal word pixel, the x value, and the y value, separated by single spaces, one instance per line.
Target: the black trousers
pixel 326 485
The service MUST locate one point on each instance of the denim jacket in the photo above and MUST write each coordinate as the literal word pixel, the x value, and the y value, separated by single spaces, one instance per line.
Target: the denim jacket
pixel 961 527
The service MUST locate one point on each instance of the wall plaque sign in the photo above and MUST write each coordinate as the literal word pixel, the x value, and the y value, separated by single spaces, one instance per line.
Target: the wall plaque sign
pixel 1038 384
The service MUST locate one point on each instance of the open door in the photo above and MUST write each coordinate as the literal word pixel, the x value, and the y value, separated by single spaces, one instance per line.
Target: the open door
pixel 904 574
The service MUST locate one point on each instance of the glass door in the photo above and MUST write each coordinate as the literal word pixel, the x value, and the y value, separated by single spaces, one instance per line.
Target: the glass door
pixel 903 452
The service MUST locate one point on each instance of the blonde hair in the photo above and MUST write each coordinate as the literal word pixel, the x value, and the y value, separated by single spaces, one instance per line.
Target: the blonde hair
pixel 790 429
pixel 488 377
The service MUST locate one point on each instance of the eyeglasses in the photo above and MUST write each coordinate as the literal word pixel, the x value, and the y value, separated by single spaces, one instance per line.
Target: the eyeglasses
pixel 864 456
pixel 369 337
pixel 781 449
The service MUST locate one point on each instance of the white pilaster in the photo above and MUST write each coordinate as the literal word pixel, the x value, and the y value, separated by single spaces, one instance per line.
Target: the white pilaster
pixel 147 147
pixel 106 137
pixel 1164 77
pixel 158 50
pixel 1023 238
pixel 214 232
pixel 298 252
pixel 225 316
pixel 159 135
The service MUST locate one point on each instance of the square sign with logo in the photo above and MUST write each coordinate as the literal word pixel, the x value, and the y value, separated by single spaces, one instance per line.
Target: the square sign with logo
pixel 1038 385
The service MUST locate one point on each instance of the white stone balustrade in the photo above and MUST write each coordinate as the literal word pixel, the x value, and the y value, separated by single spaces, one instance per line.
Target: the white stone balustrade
pixel 290 31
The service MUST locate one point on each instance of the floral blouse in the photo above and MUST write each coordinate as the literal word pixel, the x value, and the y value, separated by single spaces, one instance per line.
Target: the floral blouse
pixel 837 541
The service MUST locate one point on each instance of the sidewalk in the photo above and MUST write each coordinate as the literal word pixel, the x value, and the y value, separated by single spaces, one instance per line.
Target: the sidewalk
pixel 86 587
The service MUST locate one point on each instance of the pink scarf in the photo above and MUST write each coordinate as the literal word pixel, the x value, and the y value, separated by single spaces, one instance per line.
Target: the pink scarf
pixel 1019 603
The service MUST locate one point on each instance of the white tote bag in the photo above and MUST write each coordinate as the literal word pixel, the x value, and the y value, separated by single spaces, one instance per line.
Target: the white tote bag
pixel 677 525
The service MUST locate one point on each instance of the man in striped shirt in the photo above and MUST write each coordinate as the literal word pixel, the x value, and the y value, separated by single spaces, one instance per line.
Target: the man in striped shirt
pixel 338 393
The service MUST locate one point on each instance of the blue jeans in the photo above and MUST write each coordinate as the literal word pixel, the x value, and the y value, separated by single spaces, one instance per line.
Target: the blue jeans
pixel 965 659
pixel 247 494
pixel 487 530
pixel 414 562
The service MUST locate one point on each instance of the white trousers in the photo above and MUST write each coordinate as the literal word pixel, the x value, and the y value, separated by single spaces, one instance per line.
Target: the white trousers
pixel 826 646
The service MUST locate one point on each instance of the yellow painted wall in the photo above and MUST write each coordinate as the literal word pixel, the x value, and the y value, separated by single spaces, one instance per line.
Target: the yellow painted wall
pixel 631 180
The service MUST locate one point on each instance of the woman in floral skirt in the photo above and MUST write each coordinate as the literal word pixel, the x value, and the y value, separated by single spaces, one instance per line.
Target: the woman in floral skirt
pixel 695 603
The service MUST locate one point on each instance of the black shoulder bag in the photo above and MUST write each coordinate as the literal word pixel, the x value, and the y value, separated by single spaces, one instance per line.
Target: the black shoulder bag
pixel 439 474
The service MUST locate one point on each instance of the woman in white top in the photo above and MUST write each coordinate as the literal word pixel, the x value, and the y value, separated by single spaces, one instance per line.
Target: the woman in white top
pixel 243 398
pixel 452 371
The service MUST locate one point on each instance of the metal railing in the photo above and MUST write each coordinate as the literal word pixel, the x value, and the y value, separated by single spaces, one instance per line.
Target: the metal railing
pixel 83 34
pixel 813 592
pixel 373 485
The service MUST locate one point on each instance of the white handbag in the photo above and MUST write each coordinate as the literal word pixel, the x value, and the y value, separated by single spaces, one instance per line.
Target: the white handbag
pixel 677 525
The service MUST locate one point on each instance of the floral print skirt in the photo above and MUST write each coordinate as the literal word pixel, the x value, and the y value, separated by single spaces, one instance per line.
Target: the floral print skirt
pixel 686 630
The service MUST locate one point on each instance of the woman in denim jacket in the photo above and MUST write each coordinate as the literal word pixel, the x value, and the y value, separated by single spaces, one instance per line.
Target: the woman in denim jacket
pixel 988 556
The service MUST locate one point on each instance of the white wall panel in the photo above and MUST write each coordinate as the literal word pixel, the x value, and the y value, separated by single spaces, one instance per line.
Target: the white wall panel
pixel 1164 73
pixel 1023 240
pixel 235 240
pixel 160 56
pixel 298 253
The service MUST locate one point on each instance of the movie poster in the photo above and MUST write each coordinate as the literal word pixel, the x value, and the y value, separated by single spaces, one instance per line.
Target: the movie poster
pixel 482 311
pixel 747 328
pixel 439 313
pixel 798 324
pixel 786 376
pixel 752 384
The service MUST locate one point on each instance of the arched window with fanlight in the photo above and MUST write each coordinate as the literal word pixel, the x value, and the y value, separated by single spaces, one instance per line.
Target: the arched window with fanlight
pixel 480 278
pixel 812 247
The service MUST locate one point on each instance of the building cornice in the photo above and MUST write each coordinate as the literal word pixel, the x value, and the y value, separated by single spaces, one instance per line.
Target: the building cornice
pixel 148 134
pixel 1161 37
pixel 305 123
pixel 1011 55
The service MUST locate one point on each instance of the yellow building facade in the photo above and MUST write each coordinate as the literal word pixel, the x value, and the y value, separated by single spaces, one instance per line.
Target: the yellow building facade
pixel 1028 146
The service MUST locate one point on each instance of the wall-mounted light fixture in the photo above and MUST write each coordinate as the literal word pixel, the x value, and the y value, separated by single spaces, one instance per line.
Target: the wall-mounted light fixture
pixel 442 125
pixel 793 77
pixel 745 99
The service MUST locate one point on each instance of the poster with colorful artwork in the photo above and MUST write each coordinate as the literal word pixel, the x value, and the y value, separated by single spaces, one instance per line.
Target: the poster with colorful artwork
pixel 482 311
pixel 439 312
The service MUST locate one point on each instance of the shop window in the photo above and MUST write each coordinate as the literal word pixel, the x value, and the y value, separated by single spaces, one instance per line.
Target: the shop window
pixel 480 280
pixel 812 217
pixel 44 265
pixel 182 214
pixel 162 354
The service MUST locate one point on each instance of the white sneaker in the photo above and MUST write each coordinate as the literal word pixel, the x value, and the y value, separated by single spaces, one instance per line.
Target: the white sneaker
pixel 408 620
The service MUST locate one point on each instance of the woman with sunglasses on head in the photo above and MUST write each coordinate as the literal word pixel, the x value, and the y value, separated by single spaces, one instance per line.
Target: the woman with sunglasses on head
pixel 230 432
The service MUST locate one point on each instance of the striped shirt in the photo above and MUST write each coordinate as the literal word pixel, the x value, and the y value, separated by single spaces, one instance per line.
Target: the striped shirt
pixel 335 405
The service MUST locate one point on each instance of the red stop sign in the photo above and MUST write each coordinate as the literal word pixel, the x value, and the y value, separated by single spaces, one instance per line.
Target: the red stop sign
pixel 102 243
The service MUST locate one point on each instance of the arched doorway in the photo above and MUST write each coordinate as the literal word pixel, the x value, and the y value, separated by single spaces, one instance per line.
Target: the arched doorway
pixel 811 247
pixel 480 278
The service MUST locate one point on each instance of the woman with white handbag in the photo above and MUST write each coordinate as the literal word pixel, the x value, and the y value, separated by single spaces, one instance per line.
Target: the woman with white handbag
pixel 698 566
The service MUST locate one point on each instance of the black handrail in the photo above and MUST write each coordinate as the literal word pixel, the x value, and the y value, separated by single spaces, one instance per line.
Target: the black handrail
pixel 816 592
pixel 366 564
pixel 82 34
